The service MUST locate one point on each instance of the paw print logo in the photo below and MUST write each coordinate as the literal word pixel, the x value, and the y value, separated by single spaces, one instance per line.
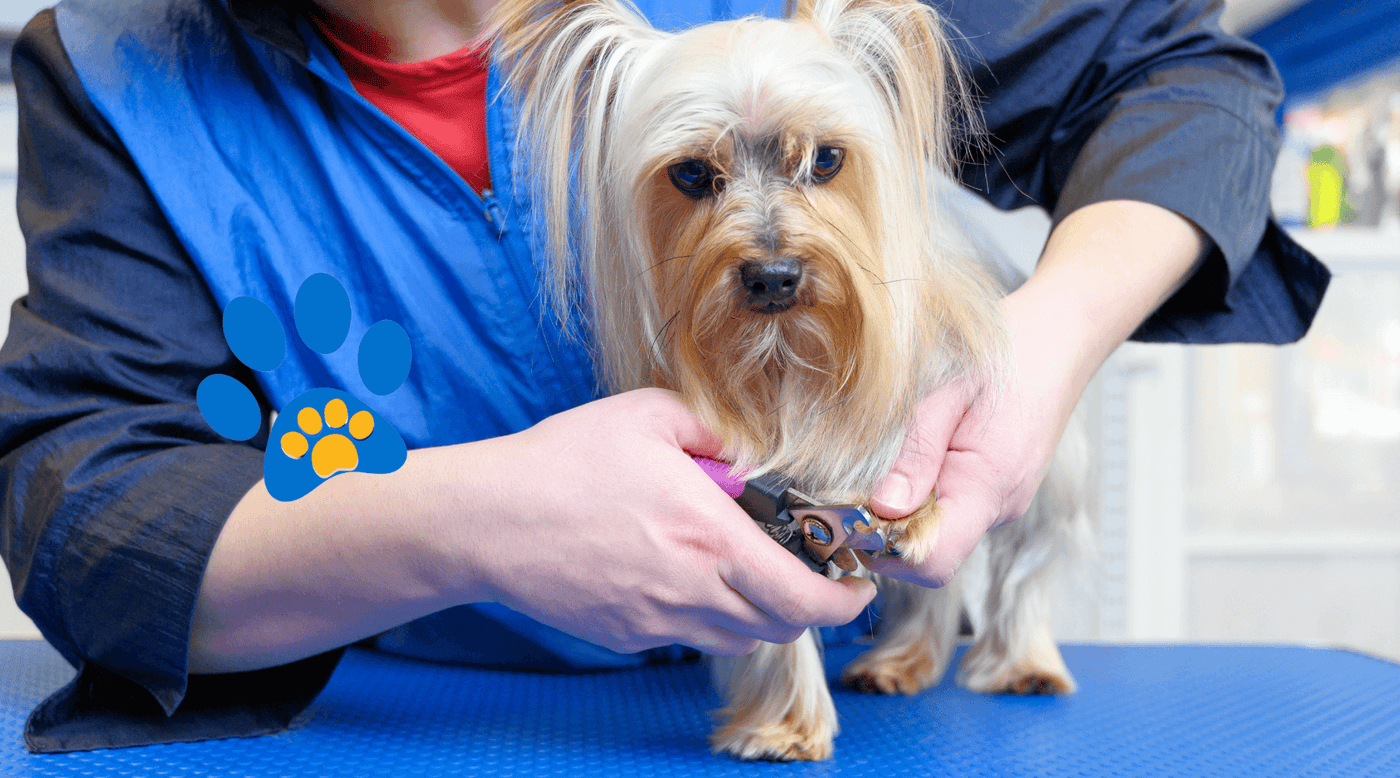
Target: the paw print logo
pixel 323 432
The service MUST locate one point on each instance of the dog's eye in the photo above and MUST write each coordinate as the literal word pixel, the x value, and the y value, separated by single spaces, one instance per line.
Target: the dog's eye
pixel 694 178
pixel 827 163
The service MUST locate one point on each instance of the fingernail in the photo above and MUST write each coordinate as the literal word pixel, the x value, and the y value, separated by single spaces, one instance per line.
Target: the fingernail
pixel 897 493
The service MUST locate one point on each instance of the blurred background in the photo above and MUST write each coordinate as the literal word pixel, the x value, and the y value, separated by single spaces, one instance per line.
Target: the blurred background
pixel 1243 493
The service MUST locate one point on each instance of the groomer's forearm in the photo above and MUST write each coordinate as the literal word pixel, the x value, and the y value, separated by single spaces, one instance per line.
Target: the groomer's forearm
pixel 358 555
pixel 1105 269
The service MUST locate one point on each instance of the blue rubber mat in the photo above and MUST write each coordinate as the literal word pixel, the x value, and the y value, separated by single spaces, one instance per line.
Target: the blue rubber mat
pixel 1226 712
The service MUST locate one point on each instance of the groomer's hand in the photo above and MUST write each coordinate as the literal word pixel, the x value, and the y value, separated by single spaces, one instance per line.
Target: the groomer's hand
pixel 1106 267
pixel 614 535
pixel 987 454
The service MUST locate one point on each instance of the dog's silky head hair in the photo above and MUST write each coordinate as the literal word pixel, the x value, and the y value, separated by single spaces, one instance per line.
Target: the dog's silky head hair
pixel 674 171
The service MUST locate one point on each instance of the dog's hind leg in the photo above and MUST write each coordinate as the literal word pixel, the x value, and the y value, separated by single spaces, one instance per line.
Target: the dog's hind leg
pixel 918 631
pixel 1014 650
pixel 777 705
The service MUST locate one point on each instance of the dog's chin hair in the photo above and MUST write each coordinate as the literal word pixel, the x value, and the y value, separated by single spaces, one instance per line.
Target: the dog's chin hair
pixel 815 391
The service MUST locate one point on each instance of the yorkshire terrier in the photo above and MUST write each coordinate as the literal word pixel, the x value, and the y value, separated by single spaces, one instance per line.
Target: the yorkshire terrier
pixel 749 214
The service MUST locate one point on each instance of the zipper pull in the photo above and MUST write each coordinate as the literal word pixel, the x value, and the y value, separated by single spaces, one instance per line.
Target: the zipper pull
pixel 494 214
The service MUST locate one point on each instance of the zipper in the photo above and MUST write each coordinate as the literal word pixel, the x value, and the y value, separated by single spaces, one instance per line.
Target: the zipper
pixel 516 257
pixel 494 215
pixel 562 358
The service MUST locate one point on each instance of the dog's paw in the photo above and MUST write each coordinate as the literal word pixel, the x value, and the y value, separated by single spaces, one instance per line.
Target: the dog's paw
pixel 788 740
pixel 915 536
pixel 909 671
pixel 1041 682
pixel 1020 680
pixel 1043 672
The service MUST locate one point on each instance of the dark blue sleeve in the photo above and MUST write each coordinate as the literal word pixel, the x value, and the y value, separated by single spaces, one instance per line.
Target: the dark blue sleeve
pixel 112 487
pixel 1094 100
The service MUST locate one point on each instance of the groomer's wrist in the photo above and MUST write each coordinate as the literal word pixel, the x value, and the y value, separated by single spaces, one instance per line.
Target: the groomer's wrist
pixel 1051 348
pixel 1105 269
pixel 468 491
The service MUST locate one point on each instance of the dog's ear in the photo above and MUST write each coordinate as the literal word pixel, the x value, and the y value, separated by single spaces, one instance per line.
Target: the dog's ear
pixel 536 38
pixel 903 49
pixel 551 48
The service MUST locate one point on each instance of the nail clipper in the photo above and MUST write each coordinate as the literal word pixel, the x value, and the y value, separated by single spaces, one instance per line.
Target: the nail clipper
pixel 818 535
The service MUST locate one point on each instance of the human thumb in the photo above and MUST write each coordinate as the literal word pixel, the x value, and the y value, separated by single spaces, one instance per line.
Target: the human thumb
pixel 911 480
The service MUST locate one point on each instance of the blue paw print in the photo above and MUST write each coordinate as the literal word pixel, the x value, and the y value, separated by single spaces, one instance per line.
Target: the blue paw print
pixel 323 432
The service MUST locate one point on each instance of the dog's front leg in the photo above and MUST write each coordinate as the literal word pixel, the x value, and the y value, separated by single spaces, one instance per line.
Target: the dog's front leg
pixel 919 626
pixel 777 705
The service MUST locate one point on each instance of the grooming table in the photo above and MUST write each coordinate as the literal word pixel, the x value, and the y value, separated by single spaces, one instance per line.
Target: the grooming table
pixel 1202 711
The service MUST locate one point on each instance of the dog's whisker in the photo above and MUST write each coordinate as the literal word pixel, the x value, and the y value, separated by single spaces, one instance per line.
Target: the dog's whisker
pixel 660 332
pixel 668 259
pixel 833 406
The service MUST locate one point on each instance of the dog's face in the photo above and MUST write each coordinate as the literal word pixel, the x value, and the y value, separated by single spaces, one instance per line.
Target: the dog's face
pixel 747 206
pixel 756 175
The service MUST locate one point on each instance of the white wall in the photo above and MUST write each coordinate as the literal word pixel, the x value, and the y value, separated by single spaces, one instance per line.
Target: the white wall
pixel 12 279
pixel 12 285
pixel 14 13
pixel 1246 16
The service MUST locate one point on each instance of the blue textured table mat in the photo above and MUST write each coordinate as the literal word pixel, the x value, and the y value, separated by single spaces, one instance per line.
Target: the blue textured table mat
pixel 1207 711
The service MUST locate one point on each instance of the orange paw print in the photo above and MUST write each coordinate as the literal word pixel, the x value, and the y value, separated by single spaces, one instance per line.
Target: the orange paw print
pixel 335 452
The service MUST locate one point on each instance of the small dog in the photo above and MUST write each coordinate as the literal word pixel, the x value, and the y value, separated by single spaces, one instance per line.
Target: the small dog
pixel 748 212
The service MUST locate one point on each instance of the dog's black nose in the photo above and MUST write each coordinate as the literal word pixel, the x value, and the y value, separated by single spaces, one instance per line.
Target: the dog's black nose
pixel 772 280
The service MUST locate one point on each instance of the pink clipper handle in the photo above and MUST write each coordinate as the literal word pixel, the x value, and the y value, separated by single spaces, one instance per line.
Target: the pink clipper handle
pixel 719 473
